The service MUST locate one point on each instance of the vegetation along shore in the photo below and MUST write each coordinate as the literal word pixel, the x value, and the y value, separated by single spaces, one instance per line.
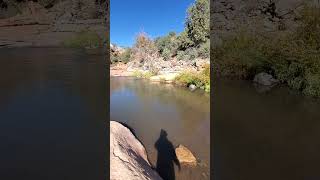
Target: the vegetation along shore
pixel 181 58
pixel 269 43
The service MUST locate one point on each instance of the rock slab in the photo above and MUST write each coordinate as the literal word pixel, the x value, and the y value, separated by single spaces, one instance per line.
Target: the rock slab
pixel 128 157
pixel 185 156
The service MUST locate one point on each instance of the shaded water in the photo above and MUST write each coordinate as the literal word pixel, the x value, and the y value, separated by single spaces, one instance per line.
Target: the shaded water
pixel 273 135
pixel 52 114
pixel 184 116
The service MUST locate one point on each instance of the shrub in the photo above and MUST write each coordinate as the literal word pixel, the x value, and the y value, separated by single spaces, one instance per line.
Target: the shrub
pixel 125 56
pixel 201 80
pixel 188 54
pixel 184 41
pixel 140 74
pixel 167 45
pixel 204 49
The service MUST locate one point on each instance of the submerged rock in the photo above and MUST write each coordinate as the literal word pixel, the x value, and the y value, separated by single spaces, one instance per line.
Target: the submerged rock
pixel 185 156
pixel 265 79
pixel 128 157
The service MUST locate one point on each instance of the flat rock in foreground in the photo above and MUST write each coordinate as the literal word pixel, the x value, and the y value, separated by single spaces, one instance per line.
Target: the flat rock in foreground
pixel 128 157
pixel 185 156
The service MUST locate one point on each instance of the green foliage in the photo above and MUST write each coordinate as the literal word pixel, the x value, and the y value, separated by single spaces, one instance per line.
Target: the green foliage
pixel 125 56
pixel 84 39
pixel 194 40
pixel 240 56
pixel 184 41
pixel 201 79
pixel 198 21
pixel 140 74
pixel 204 49
pixel 167 45
pixel 188 54
pixel 293 59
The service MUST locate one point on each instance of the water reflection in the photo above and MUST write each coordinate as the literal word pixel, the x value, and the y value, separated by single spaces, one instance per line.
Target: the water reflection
pixel 272 135
pixel 52 114
pixel 149 107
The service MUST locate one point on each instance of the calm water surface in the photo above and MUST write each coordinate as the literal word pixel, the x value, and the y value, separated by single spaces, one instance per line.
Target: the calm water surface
pixel 52 114
pixel 273 135
pixel 149 107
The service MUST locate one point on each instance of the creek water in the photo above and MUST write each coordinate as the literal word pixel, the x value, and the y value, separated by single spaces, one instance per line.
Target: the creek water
pixel 264 135
pixel 52 114
pixel 148 108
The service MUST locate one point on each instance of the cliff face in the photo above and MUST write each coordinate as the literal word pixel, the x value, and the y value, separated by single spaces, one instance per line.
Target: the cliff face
pixel 267 16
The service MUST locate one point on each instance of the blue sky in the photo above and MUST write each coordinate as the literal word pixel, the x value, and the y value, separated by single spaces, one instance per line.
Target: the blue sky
pixel 156 18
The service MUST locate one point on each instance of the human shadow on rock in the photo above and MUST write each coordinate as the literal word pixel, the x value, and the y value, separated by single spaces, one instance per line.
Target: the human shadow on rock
pixel 166 157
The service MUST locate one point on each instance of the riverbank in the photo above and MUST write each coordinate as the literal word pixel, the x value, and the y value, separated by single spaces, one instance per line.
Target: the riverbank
pixel 191 75
pixel 38 26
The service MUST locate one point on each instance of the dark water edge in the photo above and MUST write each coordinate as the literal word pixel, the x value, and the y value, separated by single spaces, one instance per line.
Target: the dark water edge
pixel 52 114
pixel 270 135
pixel 148 108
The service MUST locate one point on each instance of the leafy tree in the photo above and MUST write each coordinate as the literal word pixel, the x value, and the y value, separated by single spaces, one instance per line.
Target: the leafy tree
pixel 167 45
pixel 198 21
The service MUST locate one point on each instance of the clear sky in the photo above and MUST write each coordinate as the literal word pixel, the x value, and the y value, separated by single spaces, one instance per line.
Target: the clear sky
pixel 154 17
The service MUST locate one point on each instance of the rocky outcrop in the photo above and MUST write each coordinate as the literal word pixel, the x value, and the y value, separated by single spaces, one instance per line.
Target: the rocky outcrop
pixel 269 17
pixel 128 157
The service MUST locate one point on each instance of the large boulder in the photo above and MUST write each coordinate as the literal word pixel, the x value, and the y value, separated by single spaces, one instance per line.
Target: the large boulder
pixel 265 79
pixel 128 157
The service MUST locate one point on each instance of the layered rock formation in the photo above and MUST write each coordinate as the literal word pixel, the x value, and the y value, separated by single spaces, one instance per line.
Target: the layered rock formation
pixel 258 16
pixel 128 157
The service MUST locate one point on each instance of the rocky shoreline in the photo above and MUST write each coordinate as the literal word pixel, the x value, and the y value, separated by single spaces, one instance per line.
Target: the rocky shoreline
pixel 129 159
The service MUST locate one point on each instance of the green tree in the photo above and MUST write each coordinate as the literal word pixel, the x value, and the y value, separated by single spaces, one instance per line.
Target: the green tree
pixel 198 22
pixel 167 45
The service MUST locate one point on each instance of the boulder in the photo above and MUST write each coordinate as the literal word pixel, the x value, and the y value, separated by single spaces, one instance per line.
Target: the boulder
pixel 185 156
pixel 192 87
pixel 265 79
pixel 128 157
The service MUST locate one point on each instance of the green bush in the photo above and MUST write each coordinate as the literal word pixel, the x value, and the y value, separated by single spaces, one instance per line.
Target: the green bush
pixel 199 79
pixel 145 75
pixel 188 54
pixel 84 39
pixel 125 56
pixel 204 49
pixel 167 45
